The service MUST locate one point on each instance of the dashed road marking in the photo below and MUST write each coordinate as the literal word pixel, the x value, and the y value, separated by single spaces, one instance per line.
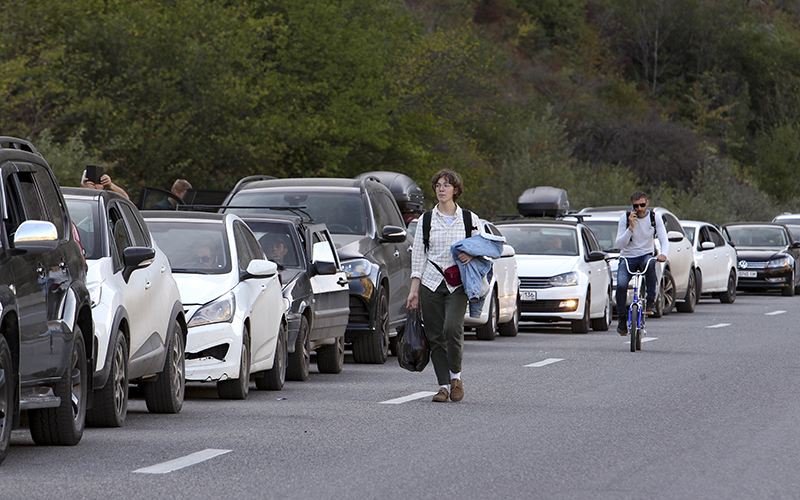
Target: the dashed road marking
pixel 410 397
pixel 719 325
pixel 548 361
pixel 774 313
pixel 644 339
pixel 180 463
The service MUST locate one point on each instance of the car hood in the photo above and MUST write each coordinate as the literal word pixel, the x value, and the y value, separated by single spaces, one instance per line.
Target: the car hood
pixel 352 246
pixel 759 254
pixel 544 265
pixel 199 289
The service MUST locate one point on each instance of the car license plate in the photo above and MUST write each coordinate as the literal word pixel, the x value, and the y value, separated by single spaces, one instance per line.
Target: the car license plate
pixel 527 295
pixel 748 274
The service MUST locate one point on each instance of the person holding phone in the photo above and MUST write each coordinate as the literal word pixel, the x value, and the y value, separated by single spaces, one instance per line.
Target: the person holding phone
pixel 636 233
pixel 94 178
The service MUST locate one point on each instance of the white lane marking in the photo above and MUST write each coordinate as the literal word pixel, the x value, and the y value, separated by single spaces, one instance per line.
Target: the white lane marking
pixel 644 339
pixel 719 325
pixel 548 361
pixel 774 313
pixel 180 463
pixel 411 397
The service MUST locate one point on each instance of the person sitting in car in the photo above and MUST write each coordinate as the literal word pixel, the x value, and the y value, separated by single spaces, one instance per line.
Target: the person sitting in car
pixel 275 247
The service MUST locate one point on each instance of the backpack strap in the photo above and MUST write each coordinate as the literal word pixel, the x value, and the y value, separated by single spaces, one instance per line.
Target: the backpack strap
pixel 426 226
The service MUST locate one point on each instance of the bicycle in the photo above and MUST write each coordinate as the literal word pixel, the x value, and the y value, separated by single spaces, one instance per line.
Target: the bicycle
pixel 637 312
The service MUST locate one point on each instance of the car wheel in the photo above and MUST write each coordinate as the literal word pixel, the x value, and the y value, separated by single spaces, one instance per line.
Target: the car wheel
pixel 274 378
pixel 165 394
pixel 730 293
pixel 239 387
pixel 111 402
pixel 488 330
pixel 298 365
pixel 511 328
pixel 330 358
pixel 7 397
pixel 64 425
pixel 374 347
pixel 601 324
pixel 690 301
pixel 582 325
pixel 789 290
pixel 667 292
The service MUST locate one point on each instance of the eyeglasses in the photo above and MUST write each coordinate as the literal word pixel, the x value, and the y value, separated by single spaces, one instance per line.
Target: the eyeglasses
pixel 442 186
pixel 639 205
pixel 205 259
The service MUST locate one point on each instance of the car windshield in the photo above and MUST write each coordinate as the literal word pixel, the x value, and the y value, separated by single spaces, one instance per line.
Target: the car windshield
pixel 689 230
pixel 541 240
pixel 277 242
pixel 605 232
pixel 757 236
pixel 84 213
pixel 193 246
pixel 343 213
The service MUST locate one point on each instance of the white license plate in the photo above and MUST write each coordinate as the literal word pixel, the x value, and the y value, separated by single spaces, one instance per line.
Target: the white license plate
pixel 525 295
pixel 748 274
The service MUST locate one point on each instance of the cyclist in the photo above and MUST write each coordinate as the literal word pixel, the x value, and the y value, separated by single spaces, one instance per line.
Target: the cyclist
pixel 635 235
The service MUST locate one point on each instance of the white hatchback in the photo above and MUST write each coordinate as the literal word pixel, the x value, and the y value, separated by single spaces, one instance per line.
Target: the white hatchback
pixel 715 258
pixel 232 296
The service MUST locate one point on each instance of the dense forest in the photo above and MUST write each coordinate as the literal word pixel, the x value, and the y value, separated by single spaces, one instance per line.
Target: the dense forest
pixel 695 101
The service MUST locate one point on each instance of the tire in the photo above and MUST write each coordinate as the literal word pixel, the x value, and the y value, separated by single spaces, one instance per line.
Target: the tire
pixel 7 397
pixel 239 387
pixel 659 310
pixel 488 330
pixel 668 292
pixel 690 300
pixel 274 378
pixel 111 402
pixel 789 290
pixel 299 361
pixel 729 296
pixel 373 348
pixel 633 329
pixel 601 324
pixel 64 425
pixel 639 340
pixel 582 325
pixel 330 358
pixel 166 393
pixel 511 328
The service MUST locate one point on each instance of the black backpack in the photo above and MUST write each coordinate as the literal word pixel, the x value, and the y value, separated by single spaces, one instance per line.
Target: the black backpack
pixel 426 226
pixel 652 221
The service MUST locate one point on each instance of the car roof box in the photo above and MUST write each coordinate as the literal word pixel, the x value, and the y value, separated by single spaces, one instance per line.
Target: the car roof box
pixel 406 192
pixel 543 201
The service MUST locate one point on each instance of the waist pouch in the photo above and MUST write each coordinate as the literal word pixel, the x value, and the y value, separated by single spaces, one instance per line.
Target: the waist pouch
pixel 452 275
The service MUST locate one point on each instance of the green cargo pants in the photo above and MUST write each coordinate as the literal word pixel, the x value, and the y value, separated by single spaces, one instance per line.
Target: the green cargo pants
pixel 443 314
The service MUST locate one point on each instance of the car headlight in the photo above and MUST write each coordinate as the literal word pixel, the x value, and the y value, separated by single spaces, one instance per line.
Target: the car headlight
pixel 567 279
pixel 357 268
pixel 218 311
pixel 95 291
pixel 784 261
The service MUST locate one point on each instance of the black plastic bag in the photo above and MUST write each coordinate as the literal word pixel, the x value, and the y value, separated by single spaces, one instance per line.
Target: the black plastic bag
pixel 414 352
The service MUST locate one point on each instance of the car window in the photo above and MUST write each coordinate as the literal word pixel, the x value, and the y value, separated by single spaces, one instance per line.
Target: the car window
pixel 716 237
pixel 136 225
pixel 391 212
pixel 343 213
pixel 277 243
pixel 29 195
pixel 541 240
pixel 794 231
pixel 378 212
pixel 671 223
pixel 242 249
pixel 193 246
pixel 704 235
pixel 85 215
pixel 606 234
pixel 689 233
pixel 757 236
pixel 55 211
pixel 120 239
pixel 593 246
pixel 14 211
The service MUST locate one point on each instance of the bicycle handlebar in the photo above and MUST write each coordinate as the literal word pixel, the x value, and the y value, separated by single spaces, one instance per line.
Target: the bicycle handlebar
pixel 643 271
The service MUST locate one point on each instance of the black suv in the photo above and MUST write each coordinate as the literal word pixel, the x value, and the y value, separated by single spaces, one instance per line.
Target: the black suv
pixel 46 325
pixel 368 229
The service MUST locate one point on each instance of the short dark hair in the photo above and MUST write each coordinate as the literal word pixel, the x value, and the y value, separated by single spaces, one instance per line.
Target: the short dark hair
pixel 638 195
pixel 453 178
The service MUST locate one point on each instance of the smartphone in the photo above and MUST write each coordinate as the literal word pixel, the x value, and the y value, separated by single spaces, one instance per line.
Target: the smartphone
pixel 93 173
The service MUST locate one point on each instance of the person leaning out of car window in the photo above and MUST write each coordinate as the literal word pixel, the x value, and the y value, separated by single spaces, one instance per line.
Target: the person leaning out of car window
pixel 443 305
pixel 105 182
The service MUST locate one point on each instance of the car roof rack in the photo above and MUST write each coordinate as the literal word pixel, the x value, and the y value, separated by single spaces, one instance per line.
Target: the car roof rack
pixel 20 144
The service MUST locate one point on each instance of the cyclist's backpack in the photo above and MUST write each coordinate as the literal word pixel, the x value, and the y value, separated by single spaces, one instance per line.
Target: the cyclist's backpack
pixel 652 221
pixel 426 226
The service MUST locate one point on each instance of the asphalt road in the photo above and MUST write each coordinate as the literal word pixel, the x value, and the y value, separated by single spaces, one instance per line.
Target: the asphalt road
pixel 710 408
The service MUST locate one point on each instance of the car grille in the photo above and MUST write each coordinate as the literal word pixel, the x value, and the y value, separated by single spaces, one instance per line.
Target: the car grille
pixel 534 282
pixel 749 264
pixel 543 306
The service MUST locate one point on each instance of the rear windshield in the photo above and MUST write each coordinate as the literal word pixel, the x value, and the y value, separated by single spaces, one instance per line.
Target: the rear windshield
pixel 757 236
pixel 343 213
pixel 193 246
pixel 85 215
pixel 541 240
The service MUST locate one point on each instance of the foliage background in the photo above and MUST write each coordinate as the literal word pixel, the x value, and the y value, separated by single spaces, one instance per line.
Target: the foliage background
pixel 695 101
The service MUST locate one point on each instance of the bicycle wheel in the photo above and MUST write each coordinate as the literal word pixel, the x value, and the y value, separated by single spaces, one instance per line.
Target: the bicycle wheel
pixel 638 339
pixel 633 329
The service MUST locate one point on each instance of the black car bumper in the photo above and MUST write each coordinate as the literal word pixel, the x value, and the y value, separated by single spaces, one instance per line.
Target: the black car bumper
pixel 764 279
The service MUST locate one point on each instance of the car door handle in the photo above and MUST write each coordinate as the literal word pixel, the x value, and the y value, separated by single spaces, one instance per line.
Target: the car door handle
pixel 163 269
pixel 263 288
pixel 409 249
pixel 342 282
pixel 397 253
pixel 147 285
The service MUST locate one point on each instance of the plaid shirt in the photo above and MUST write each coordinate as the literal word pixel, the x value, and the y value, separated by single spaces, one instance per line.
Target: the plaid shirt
pixel 442 238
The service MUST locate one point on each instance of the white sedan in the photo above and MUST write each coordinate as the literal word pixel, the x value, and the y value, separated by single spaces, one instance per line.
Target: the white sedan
pixel 564 275
pixel 232 296
pixel 715 259
pixel 140 328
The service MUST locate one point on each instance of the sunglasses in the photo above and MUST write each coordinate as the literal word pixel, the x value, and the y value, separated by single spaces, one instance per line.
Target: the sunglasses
pixel 639 205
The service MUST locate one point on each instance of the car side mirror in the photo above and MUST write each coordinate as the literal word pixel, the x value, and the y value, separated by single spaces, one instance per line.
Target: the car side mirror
pixel 707 245
pixel 675 236
pixel 36 236
pixel 134 258
pixel 508 251
pixel 324 267
pixel 596 256
pixel 394 234
pixel 260 268
pixel 796 244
